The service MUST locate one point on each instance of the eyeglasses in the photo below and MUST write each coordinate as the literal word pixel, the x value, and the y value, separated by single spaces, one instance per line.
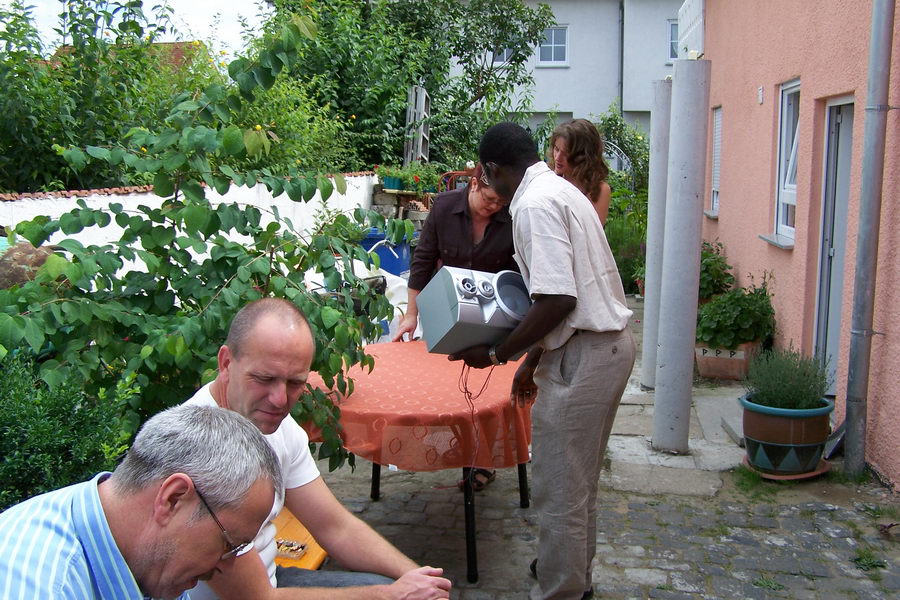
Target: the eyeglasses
pixel 497 202
pixel 234 549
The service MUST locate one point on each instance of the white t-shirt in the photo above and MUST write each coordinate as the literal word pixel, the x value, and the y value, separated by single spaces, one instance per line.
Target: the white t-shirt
pixel 561 249
pixel 291 445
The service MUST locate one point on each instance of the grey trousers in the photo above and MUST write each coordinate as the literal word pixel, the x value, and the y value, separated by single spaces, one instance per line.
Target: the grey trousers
pixel 296 577
pixel 580 386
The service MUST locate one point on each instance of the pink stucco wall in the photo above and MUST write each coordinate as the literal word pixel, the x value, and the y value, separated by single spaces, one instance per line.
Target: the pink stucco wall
pixel 760 43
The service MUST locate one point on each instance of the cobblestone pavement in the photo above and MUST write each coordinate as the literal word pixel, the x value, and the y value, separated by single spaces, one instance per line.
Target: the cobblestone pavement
pixel 648 546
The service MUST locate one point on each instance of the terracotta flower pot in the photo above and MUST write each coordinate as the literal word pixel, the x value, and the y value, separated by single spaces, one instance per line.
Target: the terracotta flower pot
pixel 784 441
pixel 720 363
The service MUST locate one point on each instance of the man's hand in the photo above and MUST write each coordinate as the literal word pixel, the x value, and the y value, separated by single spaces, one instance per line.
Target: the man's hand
pixel 423 583
pixel 524 390
pixel 407 325
pixel 476 357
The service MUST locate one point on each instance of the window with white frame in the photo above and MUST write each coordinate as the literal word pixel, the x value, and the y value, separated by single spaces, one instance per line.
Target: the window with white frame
pixel 788 130
pixel 502 55
pixel 673 39
pixel 716 159
pixel 554 48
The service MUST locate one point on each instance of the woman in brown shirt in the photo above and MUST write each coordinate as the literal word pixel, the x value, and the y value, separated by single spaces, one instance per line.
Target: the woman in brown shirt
pixel 469 228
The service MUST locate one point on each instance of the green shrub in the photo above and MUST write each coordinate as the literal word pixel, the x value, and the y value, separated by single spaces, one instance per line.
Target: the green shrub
pixel 307 136
pixel 787 379
pixel 626 231
pixel 738 316
pixel 53 437
pixel 366 55
pixel 715 272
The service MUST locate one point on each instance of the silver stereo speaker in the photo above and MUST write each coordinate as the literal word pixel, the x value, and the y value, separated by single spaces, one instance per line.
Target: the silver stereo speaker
pixel 461 308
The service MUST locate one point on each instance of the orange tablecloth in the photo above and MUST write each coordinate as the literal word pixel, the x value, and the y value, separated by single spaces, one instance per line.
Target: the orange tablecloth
pixel 409 412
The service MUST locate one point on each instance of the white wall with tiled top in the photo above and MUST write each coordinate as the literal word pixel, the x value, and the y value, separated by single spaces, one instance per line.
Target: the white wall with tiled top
pixel 301 214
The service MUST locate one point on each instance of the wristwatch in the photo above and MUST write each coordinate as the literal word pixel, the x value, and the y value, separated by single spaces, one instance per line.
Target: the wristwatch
pixel 492 354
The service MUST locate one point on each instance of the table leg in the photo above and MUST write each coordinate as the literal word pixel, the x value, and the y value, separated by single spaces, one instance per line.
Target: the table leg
pixel 469 506
pixel 523 487
pixel 376 481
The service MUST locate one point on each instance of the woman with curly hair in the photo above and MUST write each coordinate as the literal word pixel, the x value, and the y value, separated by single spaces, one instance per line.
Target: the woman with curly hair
pixel 577 156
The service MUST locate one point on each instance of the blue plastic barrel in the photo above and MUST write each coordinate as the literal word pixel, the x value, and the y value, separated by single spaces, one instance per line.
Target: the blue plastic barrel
pixel 390 263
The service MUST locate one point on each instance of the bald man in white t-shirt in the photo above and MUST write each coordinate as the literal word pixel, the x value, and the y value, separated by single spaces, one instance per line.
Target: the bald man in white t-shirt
pixel 263 368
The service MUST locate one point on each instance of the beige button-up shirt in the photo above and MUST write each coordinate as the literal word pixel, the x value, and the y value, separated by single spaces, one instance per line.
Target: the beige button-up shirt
pixel 561 249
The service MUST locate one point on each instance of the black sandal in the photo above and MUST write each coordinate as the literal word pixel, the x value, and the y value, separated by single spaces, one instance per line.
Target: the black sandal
pixel 480 479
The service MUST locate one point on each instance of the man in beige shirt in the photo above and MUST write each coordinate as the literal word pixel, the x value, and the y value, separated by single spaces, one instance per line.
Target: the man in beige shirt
pixel 582 352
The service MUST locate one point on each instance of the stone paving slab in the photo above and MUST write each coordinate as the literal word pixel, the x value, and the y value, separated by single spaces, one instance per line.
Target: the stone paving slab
pixel 657 479
pixel 710 411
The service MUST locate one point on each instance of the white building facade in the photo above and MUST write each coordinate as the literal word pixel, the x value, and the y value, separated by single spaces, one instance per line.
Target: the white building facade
pixel 602 53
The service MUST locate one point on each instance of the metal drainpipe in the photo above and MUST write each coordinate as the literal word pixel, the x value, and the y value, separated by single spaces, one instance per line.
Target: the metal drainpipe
pixel 621 58
pixel 877 98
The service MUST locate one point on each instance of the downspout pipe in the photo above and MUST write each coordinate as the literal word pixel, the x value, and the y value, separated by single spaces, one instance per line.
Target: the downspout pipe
pixel 877 107
pixel 621 58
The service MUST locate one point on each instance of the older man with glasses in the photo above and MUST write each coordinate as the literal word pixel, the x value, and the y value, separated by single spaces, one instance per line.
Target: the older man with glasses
pixel 146 530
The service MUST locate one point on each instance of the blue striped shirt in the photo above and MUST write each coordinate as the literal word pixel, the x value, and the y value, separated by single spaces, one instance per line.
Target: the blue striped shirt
pixel 58 545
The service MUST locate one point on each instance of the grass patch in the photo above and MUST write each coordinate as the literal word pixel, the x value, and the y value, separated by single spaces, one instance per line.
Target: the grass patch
pixel 867 560
pixel 719 530
pixel 857 532
pixel 668 587
pixel 752 485
pixel 767 583
pixel 841 477
pixel 881 512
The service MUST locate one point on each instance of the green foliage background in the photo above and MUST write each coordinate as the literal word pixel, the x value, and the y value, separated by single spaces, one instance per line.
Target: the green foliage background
pixel 631 140
pixel 715 272
pixel 341 108
pixel 367 54
pixel 43 445
pixel 107 78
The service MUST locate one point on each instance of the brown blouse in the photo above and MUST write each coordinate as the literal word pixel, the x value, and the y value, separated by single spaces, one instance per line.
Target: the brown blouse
pixel 446 240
